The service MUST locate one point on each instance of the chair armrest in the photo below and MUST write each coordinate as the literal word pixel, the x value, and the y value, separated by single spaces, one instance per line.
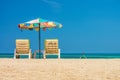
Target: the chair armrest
pixel 14 50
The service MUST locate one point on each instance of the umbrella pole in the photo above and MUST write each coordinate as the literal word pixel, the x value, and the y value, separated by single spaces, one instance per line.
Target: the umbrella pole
pixel 39 42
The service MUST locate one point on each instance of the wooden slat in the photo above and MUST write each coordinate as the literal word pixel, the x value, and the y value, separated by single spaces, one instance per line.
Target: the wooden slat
pixel 22 46
pixel 51 46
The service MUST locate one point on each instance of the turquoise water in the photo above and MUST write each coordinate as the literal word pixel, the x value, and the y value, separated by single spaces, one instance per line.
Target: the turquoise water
pixel 70 56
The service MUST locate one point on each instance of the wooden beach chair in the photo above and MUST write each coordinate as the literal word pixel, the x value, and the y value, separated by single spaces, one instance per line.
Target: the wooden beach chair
pixel 22 48
pixel 51 48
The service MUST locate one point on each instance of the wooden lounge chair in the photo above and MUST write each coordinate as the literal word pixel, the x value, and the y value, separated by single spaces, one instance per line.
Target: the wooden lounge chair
pixel 22 48
pixel 51 48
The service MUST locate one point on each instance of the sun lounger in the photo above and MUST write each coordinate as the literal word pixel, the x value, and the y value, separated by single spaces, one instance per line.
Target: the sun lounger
pixel 51 48
pixel 22 48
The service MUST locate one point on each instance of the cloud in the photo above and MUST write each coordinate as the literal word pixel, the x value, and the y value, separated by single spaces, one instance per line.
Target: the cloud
pixel 53 4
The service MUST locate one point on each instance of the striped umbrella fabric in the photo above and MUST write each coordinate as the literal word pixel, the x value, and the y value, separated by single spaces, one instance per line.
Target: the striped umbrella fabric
pixel 39 23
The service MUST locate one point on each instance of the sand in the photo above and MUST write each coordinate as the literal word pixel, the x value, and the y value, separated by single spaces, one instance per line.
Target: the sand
pixel 63 69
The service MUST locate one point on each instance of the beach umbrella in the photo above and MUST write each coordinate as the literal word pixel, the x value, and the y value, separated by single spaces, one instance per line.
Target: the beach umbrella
pixel 38 24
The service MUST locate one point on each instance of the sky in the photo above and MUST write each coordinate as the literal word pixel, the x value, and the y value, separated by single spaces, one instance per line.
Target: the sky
pixel 90 26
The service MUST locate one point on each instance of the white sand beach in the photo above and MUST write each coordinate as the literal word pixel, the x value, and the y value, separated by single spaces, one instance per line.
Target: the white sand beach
pixel 62 69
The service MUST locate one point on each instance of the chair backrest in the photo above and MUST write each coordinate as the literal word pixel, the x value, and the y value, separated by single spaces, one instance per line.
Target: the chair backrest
pixel 51 46
pixel 22 46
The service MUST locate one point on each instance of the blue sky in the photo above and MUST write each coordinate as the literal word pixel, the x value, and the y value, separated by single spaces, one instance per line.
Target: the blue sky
pixel 91 26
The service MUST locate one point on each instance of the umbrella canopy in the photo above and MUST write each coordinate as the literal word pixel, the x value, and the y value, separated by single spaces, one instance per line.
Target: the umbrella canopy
pixel 38 24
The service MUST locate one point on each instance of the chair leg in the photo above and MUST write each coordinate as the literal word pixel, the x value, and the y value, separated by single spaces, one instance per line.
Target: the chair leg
pixel 29 55
pixel 15 54
pixel 59 54
pixel 44 56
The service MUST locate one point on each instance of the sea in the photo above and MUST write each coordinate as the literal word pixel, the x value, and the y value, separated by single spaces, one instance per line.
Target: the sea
pixel 70 56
